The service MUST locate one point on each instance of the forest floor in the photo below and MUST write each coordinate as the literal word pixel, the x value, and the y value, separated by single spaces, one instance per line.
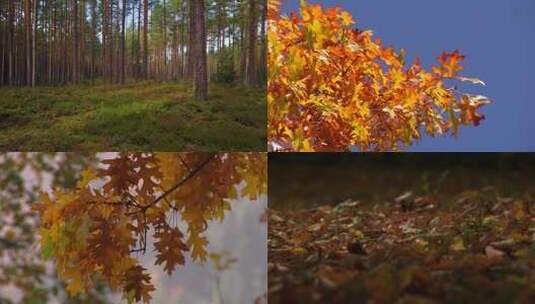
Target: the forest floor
pixel 137 116
pixel 477 247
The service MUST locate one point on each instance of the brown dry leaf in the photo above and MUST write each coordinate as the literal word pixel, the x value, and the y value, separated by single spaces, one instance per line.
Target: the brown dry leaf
pixel 275 217
pixel 316 227
pixel 492 252
pixel 457 244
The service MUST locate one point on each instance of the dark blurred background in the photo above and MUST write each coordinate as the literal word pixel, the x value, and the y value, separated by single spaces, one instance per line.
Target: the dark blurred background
pixel 308 179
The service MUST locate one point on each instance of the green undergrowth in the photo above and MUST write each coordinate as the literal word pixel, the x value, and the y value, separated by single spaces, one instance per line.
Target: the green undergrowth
pixel 136 116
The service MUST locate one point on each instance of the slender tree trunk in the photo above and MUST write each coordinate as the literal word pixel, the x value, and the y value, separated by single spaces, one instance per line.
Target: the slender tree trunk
pixel 251 50
pixel 93 37
pixel 109 47
pixel 132 68
pixel 105 67
pixel 33 40
pixel 200 72
pixel 145 39
pixel 182 42
pixel 243 53
pixel 3 59
pixel 118 45
pixel 174 48
pixel 53 63
pixel 123 42
pixel 50 35
pixel 64 68
pixel 114 47
pixel 11 31
pixel 190 67
pixel 82 72
pixel 28 29
pixel 138 51
pixel 164 40
pixel 219 35
pixel 75 43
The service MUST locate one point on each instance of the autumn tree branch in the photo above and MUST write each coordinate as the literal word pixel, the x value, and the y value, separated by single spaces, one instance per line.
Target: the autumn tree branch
pixel 183 181
pixel 143 209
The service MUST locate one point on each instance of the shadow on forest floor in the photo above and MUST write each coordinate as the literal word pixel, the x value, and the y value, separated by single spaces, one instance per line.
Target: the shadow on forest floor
pixel 138 116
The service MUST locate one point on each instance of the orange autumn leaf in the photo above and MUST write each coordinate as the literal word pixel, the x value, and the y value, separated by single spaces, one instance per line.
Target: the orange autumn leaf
pixel 450 64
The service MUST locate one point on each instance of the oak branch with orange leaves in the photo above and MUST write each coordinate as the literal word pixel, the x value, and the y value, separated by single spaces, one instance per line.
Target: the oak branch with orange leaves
pixel 95 231
pixel 332 87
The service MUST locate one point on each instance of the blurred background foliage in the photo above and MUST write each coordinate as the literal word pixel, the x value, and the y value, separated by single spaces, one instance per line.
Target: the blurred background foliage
pixel 24 276
pixel 305 180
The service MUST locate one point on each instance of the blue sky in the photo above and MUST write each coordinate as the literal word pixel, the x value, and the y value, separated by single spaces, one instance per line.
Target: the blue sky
pixel 496 36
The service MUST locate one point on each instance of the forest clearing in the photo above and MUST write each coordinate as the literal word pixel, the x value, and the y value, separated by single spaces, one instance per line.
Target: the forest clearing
pixel 138 116
pixel 467 236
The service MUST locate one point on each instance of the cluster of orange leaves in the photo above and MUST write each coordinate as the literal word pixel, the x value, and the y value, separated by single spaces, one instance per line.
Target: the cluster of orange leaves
pixel 95 230
pixel 332 87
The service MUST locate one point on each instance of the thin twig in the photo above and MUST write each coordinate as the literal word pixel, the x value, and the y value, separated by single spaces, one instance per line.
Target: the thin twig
pixel 183 181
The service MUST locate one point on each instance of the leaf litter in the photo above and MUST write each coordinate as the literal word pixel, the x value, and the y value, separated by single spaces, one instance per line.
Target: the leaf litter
pixel 478 247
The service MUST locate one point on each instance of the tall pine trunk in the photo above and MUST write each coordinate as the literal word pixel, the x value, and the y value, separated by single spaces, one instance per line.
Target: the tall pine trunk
pixel 251 49
pixel 133 46
pixel 182 43
pixel 81 49
pixel 138 52
pixel 243 53
pixel 105 67
pixel 28 30
pixel 33 40
pixel 75 44
pixel 164 40
pixel 145 39
pixel 200 73
pixel 11 31
pixel 3 44
pixel 190 66
pixel 93 37
pixel 123 42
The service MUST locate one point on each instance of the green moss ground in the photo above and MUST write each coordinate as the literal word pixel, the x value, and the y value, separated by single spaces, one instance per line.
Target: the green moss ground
pixel 141 116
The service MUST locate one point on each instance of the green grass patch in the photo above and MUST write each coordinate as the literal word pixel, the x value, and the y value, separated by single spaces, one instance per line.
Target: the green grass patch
pixel 136 116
